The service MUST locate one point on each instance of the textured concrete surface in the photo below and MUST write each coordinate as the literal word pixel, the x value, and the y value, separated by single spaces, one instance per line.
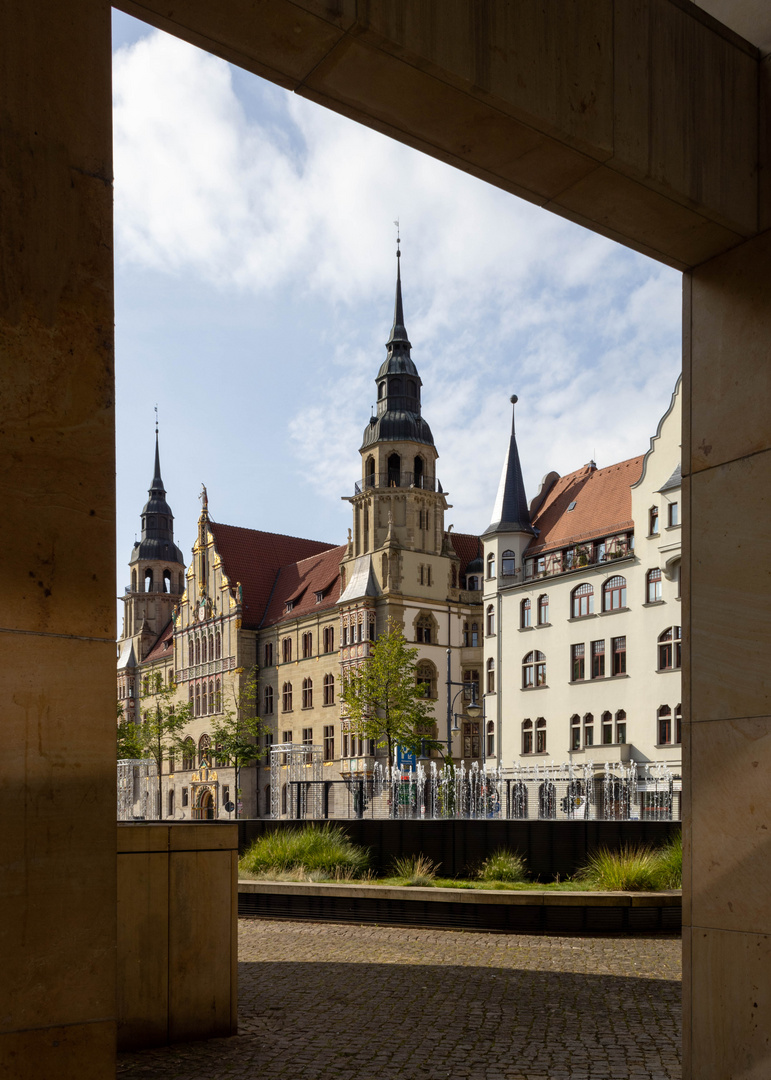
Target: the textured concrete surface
pixel 330 1002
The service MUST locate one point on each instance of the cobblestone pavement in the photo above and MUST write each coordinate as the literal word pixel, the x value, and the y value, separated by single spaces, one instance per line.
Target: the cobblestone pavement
pixel 320 1001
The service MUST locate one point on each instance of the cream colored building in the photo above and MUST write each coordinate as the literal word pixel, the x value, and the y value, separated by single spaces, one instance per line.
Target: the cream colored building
pixel 301 611
pixel 583 614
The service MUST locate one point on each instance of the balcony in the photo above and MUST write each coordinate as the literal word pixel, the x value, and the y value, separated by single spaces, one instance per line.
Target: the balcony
pixel 576 559
pixel 394 479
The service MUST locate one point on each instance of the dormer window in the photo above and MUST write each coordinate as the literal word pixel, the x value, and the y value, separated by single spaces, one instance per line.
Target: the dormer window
pixel 288 607
pixel 319 596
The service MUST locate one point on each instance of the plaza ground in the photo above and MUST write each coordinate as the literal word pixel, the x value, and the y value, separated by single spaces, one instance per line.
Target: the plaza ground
pixel 321 1001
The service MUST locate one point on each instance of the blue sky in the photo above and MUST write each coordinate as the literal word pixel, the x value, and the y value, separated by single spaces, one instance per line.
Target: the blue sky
pixel 254 273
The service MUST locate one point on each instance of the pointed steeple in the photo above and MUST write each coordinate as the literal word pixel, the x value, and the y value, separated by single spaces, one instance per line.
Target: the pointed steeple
pixel 157 541
pixel 510 512
pixel 398 386
pixel 157 485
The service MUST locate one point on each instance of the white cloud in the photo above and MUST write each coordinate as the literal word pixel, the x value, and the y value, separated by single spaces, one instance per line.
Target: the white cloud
pixel 499 295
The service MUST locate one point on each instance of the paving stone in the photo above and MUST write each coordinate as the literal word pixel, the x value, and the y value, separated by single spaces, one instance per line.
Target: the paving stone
pixel 322 1001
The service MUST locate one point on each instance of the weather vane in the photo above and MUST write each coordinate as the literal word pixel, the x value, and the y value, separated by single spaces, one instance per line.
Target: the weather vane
pixel 398 241
pixel 156 419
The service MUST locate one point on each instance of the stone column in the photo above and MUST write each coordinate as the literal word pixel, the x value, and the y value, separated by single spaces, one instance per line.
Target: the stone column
pixel 727 673
pixel 57 612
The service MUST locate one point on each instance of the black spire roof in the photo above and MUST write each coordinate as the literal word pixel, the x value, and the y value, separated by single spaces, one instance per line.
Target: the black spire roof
pixel 511 513
pixel 398 386
pixel 157 522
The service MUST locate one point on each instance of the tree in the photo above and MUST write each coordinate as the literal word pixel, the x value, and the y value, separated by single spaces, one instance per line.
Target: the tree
pixel 235 733
pixel 384 701
pixel 159 733
pixel 129 744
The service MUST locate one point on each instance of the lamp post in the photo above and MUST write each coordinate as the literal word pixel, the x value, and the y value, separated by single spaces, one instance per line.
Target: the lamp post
pixel 472 709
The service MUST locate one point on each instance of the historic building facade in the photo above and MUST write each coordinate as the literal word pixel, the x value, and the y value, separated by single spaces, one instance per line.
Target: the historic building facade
pixel 298 612
pixel 582 645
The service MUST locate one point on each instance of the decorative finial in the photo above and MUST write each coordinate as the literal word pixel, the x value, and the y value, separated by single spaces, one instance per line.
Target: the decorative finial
pixel 513 399
pixel 398 240
pixel 156 419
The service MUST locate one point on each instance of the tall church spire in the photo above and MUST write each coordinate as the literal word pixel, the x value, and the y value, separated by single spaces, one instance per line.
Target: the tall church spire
pixel 398 386
pixel 510 512
pixel 157 540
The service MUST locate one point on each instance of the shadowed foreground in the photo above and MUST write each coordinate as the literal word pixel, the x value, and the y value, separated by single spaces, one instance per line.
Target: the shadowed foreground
pixel 323 1001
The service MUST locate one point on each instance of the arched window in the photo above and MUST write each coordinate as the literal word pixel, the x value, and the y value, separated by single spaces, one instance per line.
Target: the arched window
pixel 417 476
pixel 534 670
pixel 472 583
pixel 148 580
pixel 167 581
pixel 267 698
pixel 219 696
pixel 307 644
pixel 588 729
pixel 491 676
pixel 607 729
pixel 198 650
pixel 269 654
pixel 621 726
pixel 614 594
pixel 670 649
pixel 188 754
pixel 190 697
pixel 198 701
pixel 508 564
pixel 653 521
pixel 575 732
pixel 204 699
pixel 329 689
pixel 547 800
pixel 678 724
pixel 204 751
pixel 518 806
pixel 543 609
pixel 525 614
pixel 490 621
pixel 474 635
pixel 218 646
pixel 490 739
pixel 653 586
pixel 286 650
pixel 582 601
pixel 133 581
pixel 394 470
pixel 664 717
pixel 190 652
pixel 527 736
pixel 307 693
pixel 204 650
pixel 491 565
pixel 369 472
pixel 424 629
pixel 426 679
pixel 394 386
pixel 540 735
pixel 286 697
pixel 329 639
pixel 211 696
pixel 211 646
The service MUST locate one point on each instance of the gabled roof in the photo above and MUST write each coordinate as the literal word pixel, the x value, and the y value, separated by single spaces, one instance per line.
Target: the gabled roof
pixel 300 581
pixel 362 581
pixel 467 548
pixel 163 648
pixel 603 505
pixel 254 558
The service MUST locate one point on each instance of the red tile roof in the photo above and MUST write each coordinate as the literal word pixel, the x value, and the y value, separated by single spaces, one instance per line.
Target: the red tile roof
pixel 254 558
pixel 162 649
pixel 467 547
pixel 603 501
pixel 300 581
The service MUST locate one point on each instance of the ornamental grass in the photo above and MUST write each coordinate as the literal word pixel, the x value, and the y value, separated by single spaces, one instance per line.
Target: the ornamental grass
pixel 310 852
pixel 503 865
pixel 414 870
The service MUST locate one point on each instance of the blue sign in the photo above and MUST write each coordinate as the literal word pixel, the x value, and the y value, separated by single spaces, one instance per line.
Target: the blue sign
pixel 404 759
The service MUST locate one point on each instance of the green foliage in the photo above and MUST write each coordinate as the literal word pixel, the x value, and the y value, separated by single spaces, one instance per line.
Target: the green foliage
pixel 383 700
pixel 129 743
pixel 234 734
pixel 503 865
pixel 414 870
pixel 326 850
pixel 160 732
pixel 670 863
pixel 629 869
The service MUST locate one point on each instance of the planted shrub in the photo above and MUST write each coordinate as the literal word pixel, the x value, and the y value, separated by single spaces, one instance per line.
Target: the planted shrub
pixel 319 852
pixel 414 870
pixel 503 865
pixel 629 869
pixel 670 863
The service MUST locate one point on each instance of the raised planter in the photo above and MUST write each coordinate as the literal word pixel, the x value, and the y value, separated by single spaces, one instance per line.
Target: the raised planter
pixel 537 911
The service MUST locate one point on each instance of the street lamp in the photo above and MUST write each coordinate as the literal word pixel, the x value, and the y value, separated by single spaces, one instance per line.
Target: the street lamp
pixel 472 709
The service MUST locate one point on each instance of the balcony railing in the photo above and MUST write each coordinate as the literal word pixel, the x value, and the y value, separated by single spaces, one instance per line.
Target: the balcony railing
pixel 575 559
pixel 395 479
